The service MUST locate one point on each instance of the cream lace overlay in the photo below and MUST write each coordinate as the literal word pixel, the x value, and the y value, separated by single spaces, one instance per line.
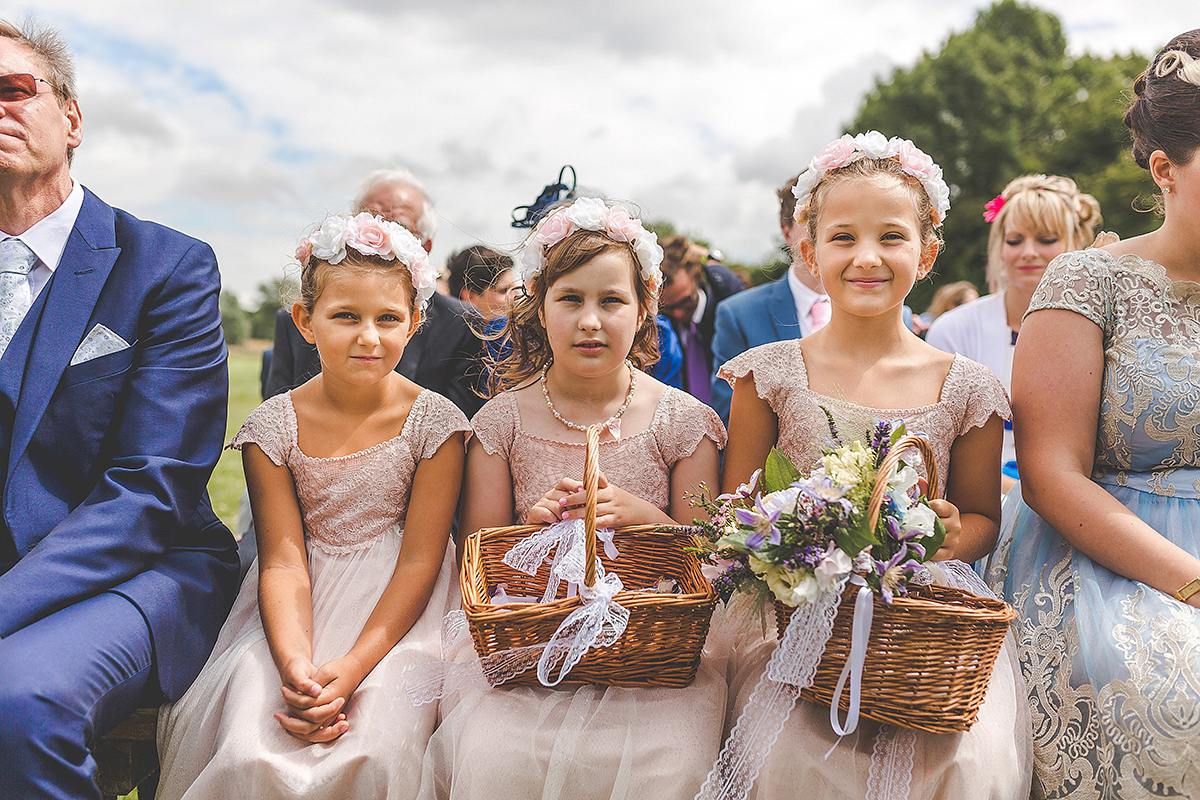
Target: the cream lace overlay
pixel 640 463
pixel 1113 666
pixel 342 496
pixel 971 394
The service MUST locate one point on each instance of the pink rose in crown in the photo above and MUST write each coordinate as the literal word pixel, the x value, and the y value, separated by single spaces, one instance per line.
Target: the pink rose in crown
pixel 914 161
pixel 836 154
pixel 553 230
pixel 366 235
pixel 620 226
pixel 304 251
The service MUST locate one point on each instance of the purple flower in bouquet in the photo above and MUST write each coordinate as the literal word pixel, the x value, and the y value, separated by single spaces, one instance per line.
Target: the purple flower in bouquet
pixel 763 521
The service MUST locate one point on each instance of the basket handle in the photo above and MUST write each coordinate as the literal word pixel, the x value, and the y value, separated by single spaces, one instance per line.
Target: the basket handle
pixel 890 462
pixel 591 483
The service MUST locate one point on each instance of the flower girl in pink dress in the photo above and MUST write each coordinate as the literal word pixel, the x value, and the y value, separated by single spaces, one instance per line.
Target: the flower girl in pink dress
pixel 872 207
pixel 353 481
pixel 580 337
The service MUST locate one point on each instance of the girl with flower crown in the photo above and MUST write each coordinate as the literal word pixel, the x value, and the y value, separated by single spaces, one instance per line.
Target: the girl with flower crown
pixel 580 336
pixel 353 478
pixel 872 207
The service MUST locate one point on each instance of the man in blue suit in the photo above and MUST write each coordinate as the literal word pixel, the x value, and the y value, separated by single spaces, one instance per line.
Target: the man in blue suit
pixel 792 306
pixel 115 575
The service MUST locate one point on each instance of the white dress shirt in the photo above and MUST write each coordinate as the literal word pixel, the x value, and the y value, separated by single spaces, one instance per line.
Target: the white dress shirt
pixel 804 297
pixel 48 239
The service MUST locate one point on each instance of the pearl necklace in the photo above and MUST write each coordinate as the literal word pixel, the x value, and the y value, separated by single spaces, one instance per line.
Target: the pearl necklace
pixel 607 422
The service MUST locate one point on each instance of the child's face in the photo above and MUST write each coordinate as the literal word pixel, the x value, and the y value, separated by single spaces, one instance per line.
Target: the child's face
pixel 360 325
pixel 868 251
pixel 591 315
pixel 1025 254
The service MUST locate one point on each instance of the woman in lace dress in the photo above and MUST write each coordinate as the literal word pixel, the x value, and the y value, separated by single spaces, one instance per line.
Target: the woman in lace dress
pixel 1106 382
pixel 872 220
pixel 353 481
pixel 580 337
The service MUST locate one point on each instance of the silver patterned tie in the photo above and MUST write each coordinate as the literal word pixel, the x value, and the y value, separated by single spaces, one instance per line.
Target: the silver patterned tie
pixel 16 259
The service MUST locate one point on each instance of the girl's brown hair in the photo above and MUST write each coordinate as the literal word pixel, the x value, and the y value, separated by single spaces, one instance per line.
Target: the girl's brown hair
pixel 528 346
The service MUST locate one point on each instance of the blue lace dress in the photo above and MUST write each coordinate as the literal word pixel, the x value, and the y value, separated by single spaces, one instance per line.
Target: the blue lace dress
pixel 1112 665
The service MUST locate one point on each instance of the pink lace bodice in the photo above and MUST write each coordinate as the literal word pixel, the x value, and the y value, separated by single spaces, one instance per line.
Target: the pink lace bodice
pixel 971 394
pixel 640 463
pixel 349 501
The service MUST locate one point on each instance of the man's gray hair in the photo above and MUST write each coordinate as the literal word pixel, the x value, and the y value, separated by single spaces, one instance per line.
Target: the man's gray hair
pixel 398 176
pixel 50 48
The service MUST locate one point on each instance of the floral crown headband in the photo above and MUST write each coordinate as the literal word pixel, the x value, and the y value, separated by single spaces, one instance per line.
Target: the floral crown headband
pixel 872 144
pixel 371 236
pixel 591 214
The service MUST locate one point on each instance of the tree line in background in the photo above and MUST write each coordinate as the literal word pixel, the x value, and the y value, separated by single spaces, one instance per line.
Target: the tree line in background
pixel 999 100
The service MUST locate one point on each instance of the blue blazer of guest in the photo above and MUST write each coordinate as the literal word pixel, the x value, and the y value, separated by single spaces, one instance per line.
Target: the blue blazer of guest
pixel 747 319
pixel 105 461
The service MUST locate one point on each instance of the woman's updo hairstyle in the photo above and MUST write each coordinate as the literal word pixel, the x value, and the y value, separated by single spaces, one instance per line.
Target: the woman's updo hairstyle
pixel 1049 204
pixel 1165 112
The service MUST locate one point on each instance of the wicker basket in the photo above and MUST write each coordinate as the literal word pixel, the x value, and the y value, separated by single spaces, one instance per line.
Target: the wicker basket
pixel 930 654
pixel 661 644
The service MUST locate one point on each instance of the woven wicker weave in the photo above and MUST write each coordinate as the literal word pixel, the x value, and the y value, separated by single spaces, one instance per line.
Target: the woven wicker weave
pixel 661 644
pixel 930 655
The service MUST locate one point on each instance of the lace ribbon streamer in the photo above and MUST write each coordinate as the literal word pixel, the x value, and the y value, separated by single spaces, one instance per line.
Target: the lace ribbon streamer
pixel 567 540
pixel 791 668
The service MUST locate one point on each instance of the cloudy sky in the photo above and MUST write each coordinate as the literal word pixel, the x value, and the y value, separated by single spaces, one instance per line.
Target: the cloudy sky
pixel 242 123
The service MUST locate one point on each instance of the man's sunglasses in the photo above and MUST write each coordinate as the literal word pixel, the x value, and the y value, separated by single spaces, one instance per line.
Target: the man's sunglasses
pixel 20 86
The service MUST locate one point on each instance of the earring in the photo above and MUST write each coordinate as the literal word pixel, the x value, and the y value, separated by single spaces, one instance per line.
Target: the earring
pixel 1166 190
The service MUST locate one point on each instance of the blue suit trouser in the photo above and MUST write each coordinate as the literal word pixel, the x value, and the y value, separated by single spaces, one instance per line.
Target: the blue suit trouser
pixel 64 681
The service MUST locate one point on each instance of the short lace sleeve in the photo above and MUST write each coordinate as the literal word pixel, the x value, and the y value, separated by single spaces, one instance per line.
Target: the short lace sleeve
pixel 271 426
pixel 496 424
pixel 1082 282
pixel 436 419
pixel 983 394
pixel 774 365
pixel 683 423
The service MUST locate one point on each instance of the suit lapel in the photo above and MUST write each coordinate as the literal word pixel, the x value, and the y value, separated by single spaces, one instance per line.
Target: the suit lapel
pixel 782 311
pixel 71 297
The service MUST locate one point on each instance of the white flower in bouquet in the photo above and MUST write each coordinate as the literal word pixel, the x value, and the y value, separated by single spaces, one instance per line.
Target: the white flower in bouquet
pixel 904 480
pixel 919 518
pixel 848 465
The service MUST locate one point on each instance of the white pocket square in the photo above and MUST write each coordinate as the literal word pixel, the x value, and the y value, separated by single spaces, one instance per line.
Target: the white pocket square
pixel 100 341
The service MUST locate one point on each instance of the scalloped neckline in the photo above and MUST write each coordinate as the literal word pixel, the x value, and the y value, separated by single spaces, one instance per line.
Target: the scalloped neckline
pixel 1155 271
pixel 954 364
pixel 296 431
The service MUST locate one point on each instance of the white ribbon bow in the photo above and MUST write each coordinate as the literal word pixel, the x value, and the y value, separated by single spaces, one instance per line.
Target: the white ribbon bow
pixel 597 623
pixel 567 540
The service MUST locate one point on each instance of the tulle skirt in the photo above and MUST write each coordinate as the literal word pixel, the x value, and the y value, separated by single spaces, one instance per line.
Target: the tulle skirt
pixel 220 739
pixel 1112 666
pixel 582 743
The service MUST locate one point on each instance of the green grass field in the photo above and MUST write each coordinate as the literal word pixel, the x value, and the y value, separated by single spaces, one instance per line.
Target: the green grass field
pixel 227 482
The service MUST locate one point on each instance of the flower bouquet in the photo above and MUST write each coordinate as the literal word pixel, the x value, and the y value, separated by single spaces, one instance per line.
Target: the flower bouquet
pixel 842 552
pixel 790 537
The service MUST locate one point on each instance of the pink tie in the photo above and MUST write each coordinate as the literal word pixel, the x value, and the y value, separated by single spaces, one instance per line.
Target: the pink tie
pixel 818 314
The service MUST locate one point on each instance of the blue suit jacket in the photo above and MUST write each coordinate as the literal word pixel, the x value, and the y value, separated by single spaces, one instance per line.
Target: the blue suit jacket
pixel 747 319
pixel 108 459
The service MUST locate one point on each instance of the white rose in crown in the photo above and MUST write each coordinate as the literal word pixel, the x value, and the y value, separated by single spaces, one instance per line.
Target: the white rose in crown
pixel 329 242
pixel 589 213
